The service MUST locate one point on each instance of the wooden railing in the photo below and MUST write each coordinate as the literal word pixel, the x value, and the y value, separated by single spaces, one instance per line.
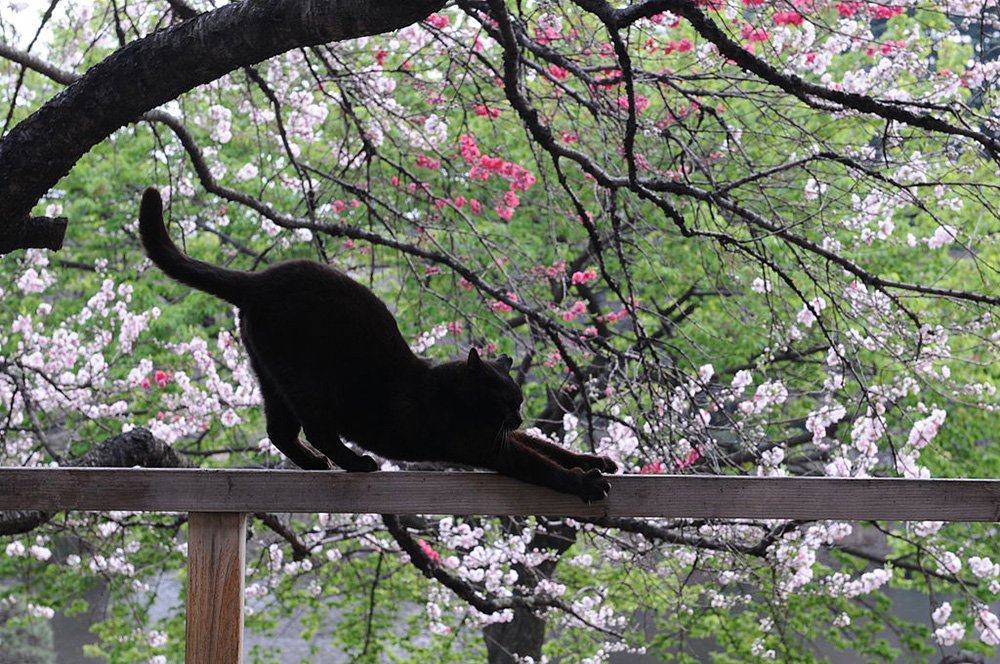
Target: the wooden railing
pixel 219 500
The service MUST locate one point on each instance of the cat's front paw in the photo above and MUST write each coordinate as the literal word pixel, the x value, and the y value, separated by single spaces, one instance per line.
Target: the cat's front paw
pixel 607 465
pixel 593 485
pixel 363 464
pixel 591 462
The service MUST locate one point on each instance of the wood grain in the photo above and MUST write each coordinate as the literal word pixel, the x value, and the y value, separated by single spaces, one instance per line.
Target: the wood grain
pixel 690 496
pixel 216 557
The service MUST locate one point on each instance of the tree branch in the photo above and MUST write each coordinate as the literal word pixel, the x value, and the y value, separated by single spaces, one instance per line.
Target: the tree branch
pixel 150 71
pixel 135 448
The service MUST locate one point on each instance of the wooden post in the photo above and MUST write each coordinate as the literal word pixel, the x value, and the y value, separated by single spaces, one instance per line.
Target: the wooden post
pixel 216 557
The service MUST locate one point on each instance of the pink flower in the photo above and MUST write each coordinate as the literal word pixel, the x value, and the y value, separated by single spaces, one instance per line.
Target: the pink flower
pixel 752 34
pixel 428 551
pixel 654 468
pixel 641 103
pixel 486 111
pixel 583 277
pixel 788 18
pixel 692 456
pixel 558 72
pixel 423 161
pixel 439 21
pixel 475 206
pixel 503 307
pixel 884 12
pixel 467 146
pixel 162 378
pixel 848 9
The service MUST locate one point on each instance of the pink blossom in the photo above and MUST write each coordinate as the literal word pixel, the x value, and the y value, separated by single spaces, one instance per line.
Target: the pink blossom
pixel 162 378
pixel 848 9
pixel 428 551
pixel 641 103
pixel 423 161
pixel 579 307
pixel 503 307
pixel 788 18
pixel 486 111
pixel 654 468
pixel 439 21
pixel 693 455
pixel 752 34
pixel 583 277
pixel 883 11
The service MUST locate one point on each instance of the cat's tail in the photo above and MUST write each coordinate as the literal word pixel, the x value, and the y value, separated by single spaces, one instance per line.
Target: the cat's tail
pixel 230 285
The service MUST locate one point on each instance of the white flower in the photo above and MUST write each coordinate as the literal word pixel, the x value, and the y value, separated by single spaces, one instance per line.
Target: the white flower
pixel 949 634
pixel 943 236
pixel 813 189
pixel 742 379
pixel 247 172
pixel 942 613
pixel 40 611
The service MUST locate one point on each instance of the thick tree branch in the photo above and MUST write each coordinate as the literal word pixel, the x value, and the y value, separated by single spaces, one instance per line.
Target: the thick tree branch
pixel 135 448
pixel 148 72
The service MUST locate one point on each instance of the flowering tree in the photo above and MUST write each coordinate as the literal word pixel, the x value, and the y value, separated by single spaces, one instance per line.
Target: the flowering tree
pixel 730 237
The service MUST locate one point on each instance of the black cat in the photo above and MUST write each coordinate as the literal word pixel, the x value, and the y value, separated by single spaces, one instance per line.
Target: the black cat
pixel 331 361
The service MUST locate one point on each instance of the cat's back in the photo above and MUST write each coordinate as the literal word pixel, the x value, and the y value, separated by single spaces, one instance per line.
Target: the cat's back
pixel 302 299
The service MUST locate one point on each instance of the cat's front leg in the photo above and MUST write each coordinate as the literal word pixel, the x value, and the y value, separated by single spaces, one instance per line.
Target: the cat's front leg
pixel 565 457
pixel 522 462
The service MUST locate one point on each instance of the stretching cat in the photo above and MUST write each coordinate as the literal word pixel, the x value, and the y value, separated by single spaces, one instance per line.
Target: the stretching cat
pixel 331 361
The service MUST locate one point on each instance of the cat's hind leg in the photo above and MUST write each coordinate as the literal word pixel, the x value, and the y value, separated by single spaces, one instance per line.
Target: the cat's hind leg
pixel 324 437
pixel 283 430
pixel 565 457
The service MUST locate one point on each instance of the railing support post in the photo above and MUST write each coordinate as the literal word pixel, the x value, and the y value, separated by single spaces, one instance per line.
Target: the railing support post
pixel 216 558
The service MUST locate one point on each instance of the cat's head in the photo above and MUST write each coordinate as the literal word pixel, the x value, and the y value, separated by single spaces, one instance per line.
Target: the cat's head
pixel 489 392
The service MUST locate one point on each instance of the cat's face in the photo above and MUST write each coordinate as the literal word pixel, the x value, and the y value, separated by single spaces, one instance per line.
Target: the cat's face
pixel 493 395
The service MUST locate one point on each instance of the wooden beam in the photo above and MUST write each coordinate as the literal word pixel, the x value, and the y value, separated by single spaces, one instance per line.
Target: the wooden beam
pixel 690 496
pixel 216 558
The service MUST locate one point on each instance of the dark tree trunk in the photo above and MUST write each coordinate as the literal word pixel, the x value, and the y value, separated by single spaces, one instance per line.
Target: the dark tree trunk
pixel 521 637
pixel 525 634
pixel 148 72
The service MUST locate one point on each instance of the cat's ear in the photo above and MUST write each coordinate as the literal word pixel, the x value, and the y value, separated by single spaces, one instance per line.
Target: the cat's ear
pixel 474 362
pixel 505 362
